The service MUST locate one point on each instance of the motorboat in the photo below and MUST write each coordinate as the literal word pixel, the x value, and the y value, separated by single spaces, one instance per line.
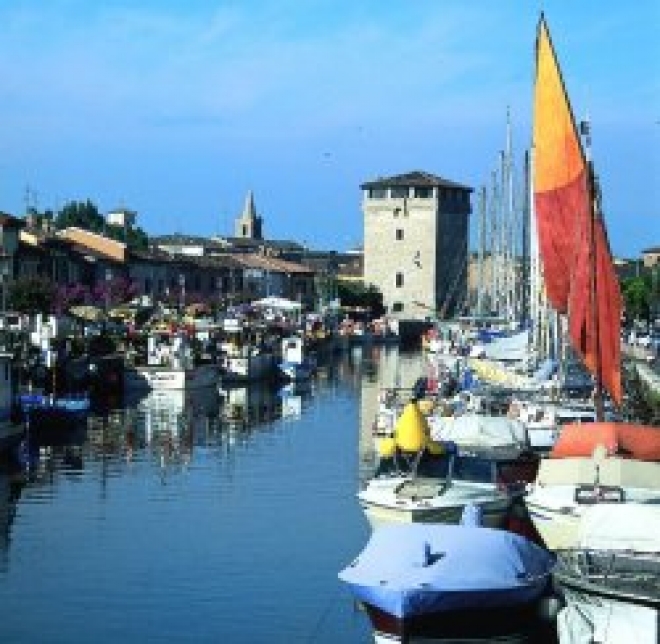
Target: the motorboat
pixel 420 480
pixel 544 419
pixel 170 365
pixel 447 580
pixel 611 463
pixel 246 357
pixel 296 365
pixel 610 579
pixel 52 412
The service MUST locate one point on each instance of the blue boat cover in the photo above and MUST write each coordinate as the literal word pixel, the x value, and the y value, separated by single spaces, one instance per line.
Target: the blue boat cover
pixel 414 568
pixel 64 403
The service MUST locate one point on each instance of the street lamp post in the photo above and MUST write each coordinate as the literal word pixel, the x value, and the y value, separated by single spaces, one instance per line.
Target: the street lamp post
pixel 182 291
pixel 108 279
pixel 5 273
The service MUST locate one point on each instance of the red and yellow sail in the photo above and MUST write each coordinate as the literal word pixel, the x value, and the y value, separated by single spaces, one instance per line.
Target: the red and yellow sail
pixel 561 194
pixel 595 309
pixel 578 270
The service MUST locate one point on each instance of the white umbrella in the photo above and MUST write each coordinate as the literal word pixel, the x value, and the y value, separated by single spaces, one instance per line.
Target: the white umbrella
pixel 280 303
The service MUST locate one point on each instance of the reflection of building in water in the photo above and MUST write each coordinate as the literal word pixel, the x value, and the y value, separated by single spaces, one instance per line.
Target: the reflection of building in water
pixel 10 491
pixel 250 404
pixel 393 370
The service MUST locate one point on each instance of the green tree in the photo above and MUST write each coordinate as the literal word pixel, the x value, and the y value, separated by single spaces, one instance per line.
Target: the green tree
pixel 81 214
pixel 31 295
pixel 356 294
pixel 132 237
pixel 637 294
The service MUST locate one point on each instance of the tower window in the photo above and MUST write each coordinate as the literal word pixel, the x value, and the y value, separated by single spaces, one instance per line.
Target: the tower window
pixel 399 234
pixel 423 193
pixel 397 307
pixel 399 280
pixel 399 192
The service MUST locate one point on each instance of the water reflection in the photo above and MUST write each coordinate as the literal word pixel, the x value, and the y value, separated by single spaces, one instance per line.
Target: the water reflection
pixel 203 500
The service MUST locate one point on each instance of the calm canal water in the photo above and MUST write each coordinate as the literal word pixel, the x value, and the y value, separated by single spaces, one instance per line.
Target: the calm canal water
pixel 165 522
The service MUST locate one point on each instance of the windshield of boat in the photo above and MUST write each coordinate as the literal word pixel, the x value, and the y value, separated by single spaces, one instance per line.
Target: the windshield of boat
pixel 474 469
pixel 427 465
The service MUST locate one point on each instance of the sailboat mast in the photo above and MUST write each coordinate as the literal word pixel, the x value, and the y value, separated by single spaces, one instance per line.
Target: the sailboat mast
pixel 494 303
pixel 524 260
pixel 594 211
pixel 481 251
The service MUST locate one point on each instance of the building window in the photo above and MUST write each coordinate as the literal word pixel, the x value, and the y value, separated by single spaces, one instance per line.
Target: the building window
pixel 399 234
pixel 397 307
pixel 377 193
pixel 423 193
pixel 399 192
pixel 399 280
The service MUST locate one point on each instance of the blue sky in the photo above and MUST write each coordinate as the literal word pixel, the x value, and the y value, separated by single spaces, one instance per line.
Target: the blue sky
pixel 177 109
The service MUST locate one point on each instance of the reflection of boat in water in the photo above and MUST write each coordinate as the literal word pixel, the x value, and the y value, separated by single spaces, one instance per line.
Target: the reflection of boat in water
pixel 249 404
pixel 172 411
pixel 292 396
pixel 10 491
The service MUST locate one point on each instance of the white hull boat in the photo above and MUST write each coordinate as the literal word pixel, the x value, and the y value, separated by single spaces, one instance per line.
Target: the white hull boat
pixel 246 368
pixel 170 378
pixel 610 579
pixel 592 464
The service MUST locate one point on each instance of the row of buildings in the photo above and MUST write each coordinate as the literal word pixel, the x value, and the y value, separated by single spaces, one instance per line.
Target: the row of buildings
pixel 179 267
pixel 416 252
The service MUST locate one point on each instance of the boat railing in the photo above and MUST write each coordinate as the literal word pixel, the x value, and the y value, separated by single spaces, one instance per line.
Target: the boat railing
pixel 628 572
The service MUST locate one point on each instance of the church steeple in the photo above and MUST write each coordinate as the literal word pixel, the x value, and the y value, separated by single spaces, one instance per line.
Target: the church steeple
pixel 248 225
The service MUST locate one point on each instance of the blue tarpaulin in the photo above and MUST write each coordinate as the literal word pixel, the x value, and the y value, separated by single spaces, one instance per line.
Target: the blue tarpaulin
pixel 413 569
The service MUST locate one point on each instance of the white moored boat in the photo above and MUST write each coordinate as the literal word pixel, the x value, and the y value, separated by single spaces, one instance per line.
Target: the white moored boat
pixel 590 464
pixel 610 579
pixel 170 365
pixel 424 481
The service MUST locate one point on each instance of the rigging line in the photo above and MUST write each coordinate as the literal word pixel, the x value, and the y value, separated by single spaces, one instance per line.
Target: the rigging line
pixel 316 631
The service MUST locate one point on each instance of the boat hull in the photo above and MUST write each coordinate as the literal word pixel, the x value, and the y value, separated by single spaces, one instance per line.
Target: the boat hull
pixel 247 368
pixel 386 502
pixel 606 618
pixel 147 378
pixel 519 624
pixel 495 514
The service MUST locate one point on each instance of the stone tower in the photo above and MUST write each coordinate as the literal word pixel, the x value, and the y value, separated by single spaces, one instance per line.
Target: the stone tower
pixel 248 224
pixel 416 243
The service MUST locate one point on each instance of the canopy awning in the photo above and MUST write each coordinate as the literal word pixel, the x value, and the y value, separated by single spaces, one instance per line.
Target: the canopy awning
pixel 280 303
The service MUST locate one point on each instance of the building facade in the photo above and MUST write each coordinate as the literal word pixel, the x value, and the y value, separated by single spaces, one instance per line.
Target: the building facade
pixel 416 243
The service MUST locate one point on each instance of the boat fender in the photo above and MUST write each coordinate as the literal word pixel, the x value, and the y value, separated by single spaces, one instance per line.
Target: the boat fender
pixel 435 448
pixel 548 607
pixel 472 515
pixel 386 447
